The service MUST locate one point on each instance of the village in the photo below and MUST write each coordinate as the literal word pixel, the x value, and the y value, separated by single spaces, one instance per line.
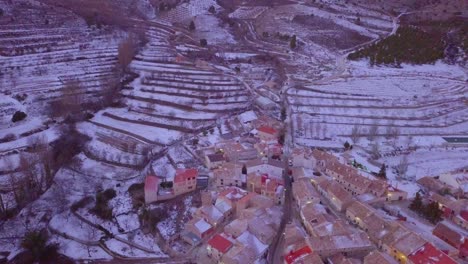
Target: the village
pixel 234 132
pixel 312 206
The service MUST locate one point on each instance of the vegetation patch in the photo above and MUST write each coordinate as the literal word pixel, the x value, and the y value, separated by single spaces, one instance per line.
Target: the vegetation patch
pixel 409 45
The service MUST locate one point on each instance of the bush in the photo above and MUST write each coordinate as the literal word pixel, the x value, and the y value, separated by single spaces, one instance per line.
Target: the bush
pixel 102 209
pixel 203 42
pixel 192 26
pixel 35 243
pixel 8 138
pixel 109 194
pixel 18 116
pixel 168 184
pixel 212 9
pixel 81 203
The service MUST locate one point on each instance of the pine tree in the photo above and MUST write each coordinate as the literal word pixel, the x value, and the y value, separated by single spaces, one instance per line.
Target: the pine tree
pixel 347 145
pixel 192 26
pixel 283 114
pixel 292 43
pixel 433 212
pixel 382 172
pixel 212 9
pixel 244 169
pixel 417 204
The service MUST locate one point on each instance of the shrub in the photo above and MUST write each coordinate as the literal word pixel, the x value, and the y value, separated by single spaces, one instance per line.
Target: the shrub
pixel 192 26
pixel 35 243
pixel 18 116
pixel 109 194
pixel 212 9
pixel 102 209
pixel 203 42
pixel 81 203
pixel 168 184
pixel 8 138
pixel 292 43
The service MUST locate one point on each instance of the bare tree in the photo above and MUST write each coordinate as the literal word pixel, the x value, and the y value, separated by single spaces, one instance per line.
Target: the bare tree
pixel 402 167
pixel 373 132
pixel 126 52
pixel 355 134
pixel 375 151
pixel 71 100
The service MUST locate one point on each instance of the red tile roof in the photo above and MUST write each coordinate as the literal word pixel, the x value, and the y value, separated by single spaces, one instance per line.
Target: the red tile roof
pixel 464 215
pixel 151 184
pixel 428 254
pixel 220 243
pixel 267 129
pixel 183 175
pixel 294 255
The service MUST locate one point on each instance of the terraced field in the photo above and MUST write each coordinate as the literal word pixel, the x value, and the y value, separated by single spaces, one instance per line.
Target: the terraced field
pixel 416 100
pixel 172 98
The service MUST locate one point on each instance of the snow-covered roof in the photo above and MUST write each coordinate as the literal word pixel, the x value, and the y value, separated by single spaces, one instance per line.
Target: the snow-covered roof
pixel 223 206
pixel 202 226
pixel 250 241
pixel 248 116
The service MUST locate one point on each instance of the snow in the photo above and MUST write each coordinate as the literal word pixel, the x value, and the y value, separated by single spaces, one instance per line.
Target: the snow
pixel 250 241
pixel 202 226
pixel 76 250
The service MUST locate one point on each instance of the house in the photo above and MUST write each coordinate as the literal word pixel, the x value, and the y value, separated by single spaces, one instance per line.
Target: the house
pixel 268 150
pixel 218 246
pixel 267 133
pixel 354 243
pixel 245 202
pixel 273 189
pixel 342 259
pixel 199 227
pixel 190 238
pixel 357 212
pixel 151 189
pixel 234 197
pixel 236 227
pixel 323 159
pixel 210 214
pixel 229 174
pixel 263 228
pixel 377 257
pixel 302 255
pixel 430 184
pixel 455 180
pixel 319 223
pixel 265 103
pixel 248 240
pixel 444 203
pixel 349 177
pixel 336 194
pixel 272 167
pixel 263 184
pixel 428 254
pixel 406 245
pixel 185 181
pixel 453 235
pixel 462 219
pixel 239 254
pixel 304 192
pixel 394 194
pixel 225 208
pixel 213 161
pixel 247 118
pixel 302 157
